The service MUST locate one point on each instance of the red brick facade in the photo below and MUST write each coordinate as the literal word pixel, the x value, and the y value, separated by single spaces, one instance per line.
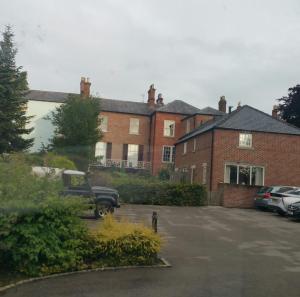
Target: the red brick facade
pixel 277 154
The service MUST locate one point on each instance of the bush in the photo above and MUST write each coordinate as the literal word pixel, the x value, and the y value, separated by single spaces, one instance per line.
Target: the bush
pixel 57 161
pixel 162 193
pixel 124 243
pixel 42 239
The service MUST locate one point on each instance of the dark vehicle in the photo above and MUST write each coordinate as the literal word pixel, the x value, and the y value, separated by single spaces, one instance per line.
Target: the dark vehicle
pixel 262 198
pixel 76 183
pixel 294 210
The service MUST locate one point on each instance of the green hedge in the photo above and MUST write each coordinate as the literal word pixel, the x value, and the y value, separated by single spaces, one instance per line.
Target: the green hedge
pixel 162 193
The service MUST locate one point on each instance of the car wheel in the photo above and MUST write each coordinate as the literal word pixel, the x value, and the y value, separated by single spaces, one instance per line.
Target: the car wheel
pixel 102 209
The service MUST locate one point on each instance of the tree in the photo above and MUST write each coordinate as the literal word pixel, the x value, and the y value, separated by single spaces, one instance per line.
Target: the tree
pixel 289 106
pixel 76 125
pixel 13 88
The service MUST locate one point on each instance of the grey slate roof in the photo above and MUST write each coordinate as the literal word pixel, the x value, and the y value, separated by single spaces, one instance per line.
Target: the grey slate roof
pixel 210 111
pixel 37 95
pixel 178 106
pixel 113 105
pixel 245 119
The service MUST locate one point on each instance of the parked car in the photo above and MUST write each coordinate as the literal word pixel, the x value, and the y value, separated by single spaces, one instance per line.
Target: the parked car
pixel 294 210
pixel 262 198
pixel 281 200
pixel 76 183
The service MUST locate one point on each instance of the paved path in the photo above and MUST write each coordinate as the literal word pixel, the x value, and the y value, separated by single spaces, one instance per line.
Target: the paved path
pixel 214 252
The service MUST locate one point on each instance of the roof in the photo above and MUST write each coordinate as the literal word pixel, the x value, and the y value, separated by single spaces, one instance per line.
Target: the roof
pixel 206 111
pixel 74 172
pixel 113 105
pixel 37 95
pixel 245 119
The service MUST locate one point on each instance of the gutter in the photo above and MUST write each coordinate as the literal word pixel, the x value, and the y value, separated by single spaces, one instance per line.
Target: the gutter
pixel 211 159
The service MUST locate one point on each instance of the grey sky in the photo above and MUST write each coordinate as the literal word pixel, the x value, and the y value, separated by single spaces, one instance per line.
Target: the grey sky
pixel 247 50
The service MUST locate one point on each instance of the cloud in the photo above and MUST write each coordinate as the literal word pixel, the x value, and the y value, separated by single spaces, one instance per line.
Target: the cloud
pixel 248 50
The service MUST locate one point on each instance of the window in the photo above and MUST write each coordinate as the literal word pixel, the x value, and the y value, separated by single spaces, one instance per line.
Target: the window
pixel 185 148
pixel 193 173
pixel 204 173
pixel 188 126
pixel 134 126
pixel 169 128
pixel 168 154
pixel 244 175
pixel 133 154
pixel 245 140
pixel 100 152
pixel 194 144
pixel 103 123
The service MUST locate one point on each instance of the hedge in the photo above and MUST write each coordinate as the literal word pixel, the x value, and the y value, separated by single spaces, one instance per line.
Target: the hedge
pixel 162 193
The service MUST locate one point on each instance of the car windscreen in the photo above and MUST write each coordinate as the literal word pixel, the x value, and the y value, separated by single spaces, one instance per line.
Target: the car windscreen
pixel 284 189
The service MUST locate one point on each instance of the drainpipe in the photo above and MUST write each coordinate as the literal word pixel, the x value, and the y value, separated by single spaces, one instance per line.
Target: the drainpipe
pixel 211 163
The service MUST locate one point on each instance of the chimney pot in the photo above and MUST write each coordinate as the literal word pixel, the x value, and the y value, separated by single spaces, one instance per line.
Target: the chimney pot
pixel 275 111
pixel 222 104
pixel 85 86
pixel 160 99
pixel 151 96
pixel 239 105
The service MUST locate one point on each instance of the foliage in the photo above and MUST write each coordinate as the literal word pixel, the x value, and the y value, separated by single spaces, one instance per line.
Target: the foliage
pixel 76 125
pixel 164 174
pixel 43 238
pixel 124 243
pixel 289 106
pixel 18 184
pixel 57 161
pixel 13 88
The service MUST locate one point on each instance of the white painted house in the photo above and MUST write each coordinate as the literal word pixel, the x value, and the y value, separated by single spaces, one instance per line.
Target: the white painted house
pixel 40 106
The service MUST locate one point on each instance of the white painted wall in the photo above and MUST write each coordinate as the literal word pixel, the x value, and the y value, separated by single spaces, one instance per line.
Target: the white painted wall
pixel 43 129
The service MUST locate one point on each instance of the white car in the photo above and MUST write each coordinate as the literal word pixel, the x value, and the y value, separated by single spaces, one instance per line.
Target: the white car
pixel 281 201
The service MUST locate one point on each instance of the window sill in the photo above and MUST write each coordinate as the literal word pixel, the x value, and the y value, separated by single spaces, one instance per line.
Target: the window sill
pixel 246 148
pixel 134 133
pixel 167 162
pixel 169 136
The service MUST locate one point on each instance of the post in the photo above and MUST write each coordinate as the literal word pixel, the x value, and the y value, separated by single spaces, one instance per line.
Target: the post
pixel 154 221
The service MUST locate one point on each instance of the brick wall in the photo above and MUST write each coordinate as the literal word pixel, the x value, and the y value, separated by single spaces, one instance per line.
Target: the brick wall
pixel 279 154
pixel 118 132
pixel 195 121
pixel 199 158
pixel 237 195
pixel 159 140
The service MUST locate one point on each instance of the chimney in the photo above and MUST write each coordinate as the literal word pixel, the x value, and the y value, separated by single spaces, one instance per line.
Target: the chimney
pixel 160 100
pixel 275 112
pixel 222 104
pixel 230 108
pixel 85 86
pixel 151 96
pixel 239 105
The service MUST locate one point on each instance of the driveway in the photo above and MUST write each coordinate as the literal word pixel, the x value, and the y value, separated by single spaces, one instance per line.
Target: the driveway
pixel 214 252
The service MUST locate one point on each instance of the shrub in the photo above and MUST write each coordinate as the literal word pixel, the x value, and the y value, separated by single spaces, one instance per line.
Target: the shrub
pixel 42 239
pixel 57 161
pixel 124 243
pixel 162 193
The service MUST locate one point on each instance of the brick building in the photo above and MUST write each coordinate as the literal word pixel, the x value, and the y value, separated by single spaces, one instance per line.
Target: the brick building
pixel 136 135
pixel 245 147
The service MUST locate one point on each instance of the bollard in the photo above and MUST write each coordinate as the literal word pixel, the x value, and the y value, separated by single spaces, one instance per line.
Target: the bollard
pixel 154 221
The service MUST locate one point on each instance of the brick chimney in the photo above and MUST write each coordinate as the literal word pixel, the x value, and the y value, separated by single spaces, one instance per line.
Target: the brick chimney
pixel 160 100
pixel 222 104
pixel 275 112
pixel 151 96
pixel 85 86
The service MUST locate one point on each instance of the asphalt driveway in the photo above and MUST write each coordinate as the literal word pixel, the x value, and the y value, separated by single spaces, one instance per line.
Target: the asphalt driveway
pixel 214 252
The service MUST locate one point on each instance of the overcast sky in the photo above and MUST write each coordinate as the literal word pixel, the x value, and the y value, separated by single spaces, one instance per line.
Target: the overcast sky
pixel 194 50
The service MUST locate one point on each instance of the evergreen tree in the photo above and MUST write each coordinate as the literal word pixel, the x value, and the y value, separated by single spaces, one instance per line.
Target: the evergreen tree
pixel 13 88
pixel 289 106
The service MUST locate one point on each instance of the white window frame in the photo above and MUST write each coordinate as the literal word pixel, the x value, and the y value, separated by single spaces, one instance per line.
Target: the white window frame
pixel 134 126
pixel 167 128
pixel 243 141
pixel 172 154
pixel 188 126
pixel 100 151
pixel 104 119
pixel 194 144
pixel 185 144
pixel 133 155
pixel 238 165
